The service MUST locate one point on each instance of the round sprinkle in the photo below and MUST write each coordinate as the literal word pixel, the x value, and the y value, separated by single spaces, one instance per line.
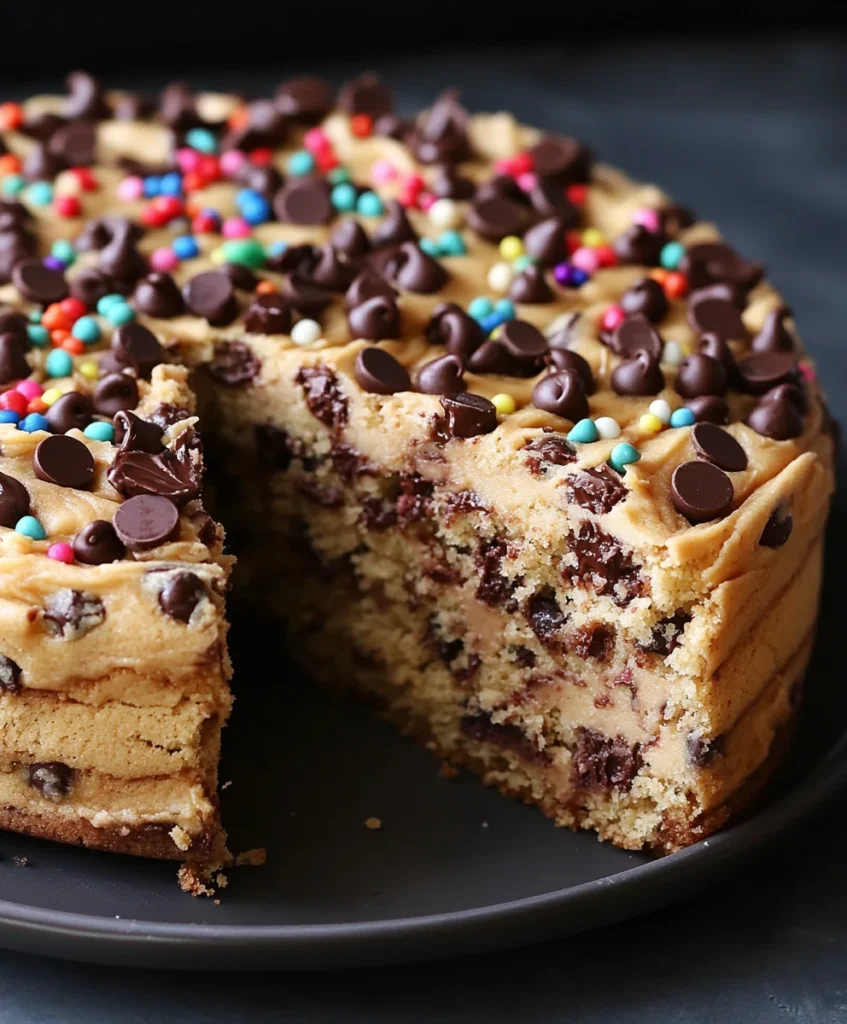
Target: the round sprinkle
pixel 305 332
pixel 50 396
pixel 105 304
pixel 63 251
pixel 202 140
pixel 8 416
pixel 61 552
pixel 607 428
pixel 650 423
pixel 719 447
pixel 682 418
pixel 164 260
pixel 58 363
pixel 301 162
pixel 64 461
pixel 99 431
pixel 701 492
pixel 480 307
pixel 444 213
pixel 500 278
pixel 34 422
pixel 430 247
pixel 30 527
pixel 623 455
pixel 30 389
pixel 185 247
pixel 671 255
pixel 661 410
pixel 451 243
pixel 120 313
pixel 504 404
pixel 583 432
pixel 343 197
pixel 38 335
pixel 369 205
pixel 89 370
pixel 511 247
pixel 40 193
pixel 246 251
pixel 592 237
pixel 87 330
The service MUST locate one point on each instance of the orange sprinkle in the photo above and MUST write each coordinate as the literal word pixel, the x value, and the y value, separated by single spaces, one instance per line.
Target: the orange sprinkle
pixel 238 118
pixel 74 346
pixel 54 318
pixel 58 336
pixel 10 163
pixel 36 405
pixel 362 125
pixel 675 285
pixel 660 275
pixel 11 116
pixel 265 288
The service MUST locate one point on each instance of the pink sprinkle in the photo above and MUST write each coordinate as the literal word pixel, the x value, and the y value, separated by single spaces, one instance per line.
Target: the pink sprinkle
pixel 382 171
pixel 164 260
pixel 804 368
pixel 503 166
pixel 647 218
pixel 586 259
pixel 61 552
pixel 315 140
pixel 611 318
pixel 527 181
pixel 425 200
pixel 236 227
pixel 187 159
pixel 130 188
pixel 29 389
pixel 231 162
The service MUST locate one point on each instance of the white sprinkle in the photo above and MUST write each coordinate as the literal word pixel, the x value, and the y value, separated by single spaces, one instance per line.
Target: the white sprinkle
pixel 672 354
pixel 305 332
pixel 445 214
pixel 661 410
pixel 499 278
pixel 607 428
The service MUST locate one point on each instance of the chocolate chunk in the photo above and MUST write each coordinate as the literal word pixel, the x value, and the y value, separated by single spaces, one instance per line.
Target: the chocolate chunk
pixel 562 394
pixel 492 357
pixel 133 434
pixel 414 271
pixel 468 415
pixel 136 346
pixel 70 614
pixel 717 316
pixel 14 501
pixel 442 376
pixel 146 521
pixel 10 675
pixel 173 473
pixel 530 286
pixel 13 364
pixel 304 201
pixel 709 409
pixel 481 729
pixel 39 283
pixel 71 410
pixel 395 228
pixel 211 296
pixel 375 319
pixel 715 262
pixel 332 272
pixel 638 376
pixel 242 277
pixel 702 752
pixel 307 99
pixel 496 217
pixel 64 461
pixel 636 334
pixel 597 489
pixel 562 158
pixel 494 588
pixel 268 313
pixel 676 218
pixel 42 125
pixel 234 364
pixel 774 335
pixel 725 290
pixel 441 134
pixel 699 374
pixel 701 492
pixel 263 126
pixel 761 371
pixel 640 246
pixel 350 238
pixel 449 184
pixel 305 296
pixel 778 528
pixel 549 449
pixel 545 241
pixel 97 543
pixel 666 635
pixel 366 286
pixel 566 359
pixel 778 413
pixel 604 762
pixel 53 779
pixel 181 595
pixel 74 144
pixel 646 297
pixel 366 95
pixel 595 642
pixel 378 372
pixel 115 392
pixel 324 397
pixel 207 532
pixel 544 615
pixel 602 562
pixel 451 327
pixel 91 284
pixel 40 164
pixel 719 447
pixel 522 340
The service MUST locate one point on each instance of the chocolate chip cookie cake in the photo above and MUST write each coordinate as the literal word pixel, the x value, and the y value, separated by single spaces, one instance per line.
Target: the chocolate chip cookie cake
pixel 514 445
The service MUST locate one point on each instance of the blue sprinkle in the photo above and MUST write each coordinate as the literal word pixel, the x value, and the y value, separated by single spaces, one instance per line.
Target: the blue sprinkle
pixel 490 322
pixel 58 364
pixel 583 432
pixel 369 205
pixel 578 277
pixel 451 243
pixel 480 307
pixel 34 421
pixel 301 162
pixel 202 140
pixel 671 255
pixel 277 248
pixel 623 455
pixel 40 193
pixel 254 208
pixel 343 197
pixel 430 247
pixel 98 431
pixel 8 416
pixel 185 247
pixel 682 418
pixel 171 184
pixel 152 186
pixel 30 527
pixel 506 309
pixel 38 335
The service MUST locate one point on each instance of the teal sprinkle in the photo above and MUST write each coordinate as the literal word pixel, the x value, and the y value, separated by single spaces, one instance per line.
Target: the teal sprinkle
pixel 682 418
pixel 34 316
pixel 202 140
pixel 30 527
pixel 671 255
pixel 300 163
pixel 120 313
pixel 343 197
pixel 13 184
pixel 98 431
pixel 58 363
pixel 430 247
pixel 38 335
pixel 63 251
pixel 106 303
pixel 506 308
pixel 277 248
pixel 87 330
pixel 40 193
pixel 480 307
pixel 369 205
pixel 451 243
pixel 583 432
pixel 338 176
pixel 521 263
pixel 623 455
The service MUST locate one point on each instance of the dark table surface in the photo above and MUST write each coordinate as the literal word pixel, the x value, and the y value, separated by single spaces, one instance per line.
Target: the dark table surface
pixel 753 136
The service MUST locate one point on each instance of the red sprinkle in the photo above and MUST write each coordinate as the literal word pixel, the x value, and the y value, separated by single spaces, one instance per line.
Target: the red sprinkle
pixel 576 194
pixel 361 125
pixel 522 164
pixel 260 157
pixel 675 285
pixel 15 401
pixel 67 206
pixel 87 181
pixel 573 240
pixel 73 308
pixel 606 255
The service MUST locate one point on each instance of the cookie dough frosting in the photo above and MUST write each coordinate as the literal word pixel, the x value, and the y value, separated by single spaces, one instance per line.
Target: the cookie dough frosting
pixel 511 442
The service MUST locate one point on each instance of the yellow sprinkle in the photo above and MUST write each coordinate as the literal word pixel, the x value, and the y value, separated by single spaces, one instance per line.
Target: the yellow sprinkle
pixel 495 334
pixel 511 247
pixel 652 424
pixel 88 370
pixel 592 237
pixel 504 404
pixel 217 256
pixel 50 396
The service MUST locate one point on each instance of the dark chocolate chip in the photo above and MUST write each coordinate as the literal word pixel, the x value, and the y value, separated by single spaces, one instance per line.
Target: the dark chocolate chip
pixel 636 334
pixel 71 613
pixel 97 543
pixel 366 95
pixel 366 286
pixel 146 521
pixel 305 99
pixel 778 528
pixel 13 364
pixel 468 415
pixel 119 257
pixel 136 346
pixel 91 284
pixel 133 434
pixel 242 277
pixel 379 372
pixel 774 335
pixel 702 752
pixel 40 164
pixel 449 184
pixel 638 376
pixel 267 181
pixel 698 375
pixel 715 262
pixel 39 283
pixel 639 246
pixel 13 322
pixel 719 447
pixel 602 562
pixel 395 228
pixel 181 595
pixel 492 357
pixel 305 296
pixel 71 410
pixel 375 319
pixel 530 286
pixel 10 675
pixel 545 616
pixel 496 216
pixel 646 297
pixel 324 396
pixel 350 238
pixel 709 409
pixel 14 501
pixel 676 218
pixel 552 449
pixel 115 392
pixel 304 201
pixel 442 376
pixel 545 241
pixel 726 290
pixel 547 197
pixel 717 316
pixel 604 762
pixel 566 359
pixel 560 157
pixel 53 779
pixel 203 523
pixel 597 489
pixel 562 394
pixel 522 340
pixel 268 314
pixel 440 136
pixel 778 413
pixel 718 348
pixel 74 144
pixel 175 473
pixel 332 272
pixel 211 295
pixel 761 371
pixel 414 271
pixel 701 492
pixel 85 101
pixel 178 107
pixel 451 327
pixel 64 461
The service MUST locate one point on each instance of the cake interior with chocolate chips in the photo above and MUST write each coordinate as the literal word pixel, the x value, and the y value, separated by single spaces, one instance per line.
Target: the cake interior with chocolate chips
pixel 509 442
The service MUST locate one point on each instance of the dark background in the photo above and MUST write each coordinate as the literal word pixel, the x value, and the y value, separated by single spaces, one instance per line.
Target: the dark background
pixel 751 132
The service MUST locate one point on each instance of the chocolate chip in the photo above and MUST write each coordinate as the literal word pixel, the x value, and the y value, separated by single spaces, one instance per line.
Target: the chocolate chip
pixel 375 319
pixel 562 394
pixel 70 614
pixel 530 286
pixel 560 157
pixel 468 415
pixel 640 246
pixel 761 371
pixel 267 181
pixel 638 376
pixel 717 316
pixel 132 106
pixel 566 359
pixel 636 334
pixel 378 372
pixel 646 297
pixel 449 184
pixel 725 290
pixel 14 501
pixel 242 277
pixel 350 238
pixel 323 394
pixel 211 295
pixel 718 348
pixel 545 241
pixel 701 492
pixel 85 101
pixel 496 217
pixel 366 286
pixel 440 136
pixel 133 434
pixel 234 364
pixel 74 144
pixel 305 99
pixel 774 335
pixel 40 164
pixel 395 228
pixel 91 284
pixel 442 376
pixel 53 779
pixel 778 413
pixel 13 322
pixel 701 752
pixel 304 296
pixel 115 392
pixel 597 489
pixel 71 410
pixel 548 199
pixel 304 201
pixel 492 357
pixel 119 257
pixel 603 762
pixel 39 283
pixel 522 340
pixel 64 461
pixel 699 374
pixel 414 271
pixel 181 595
pixel 451 327
pixel 778 528
pixel 178 107
pixel 545 616
pixel 173 473
pixel 203 523
pixel 268 313
pixel 550 449
pixel 602 562
pixel 366 95
pixel 13 364
pixel 676 218
pixel 146 521
pixel 709 409
pixel 715 262
pixel 719 447
pixel 666 635
pixel 136 346
pixel 332 272
pixel 97 543
pixel 10 675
